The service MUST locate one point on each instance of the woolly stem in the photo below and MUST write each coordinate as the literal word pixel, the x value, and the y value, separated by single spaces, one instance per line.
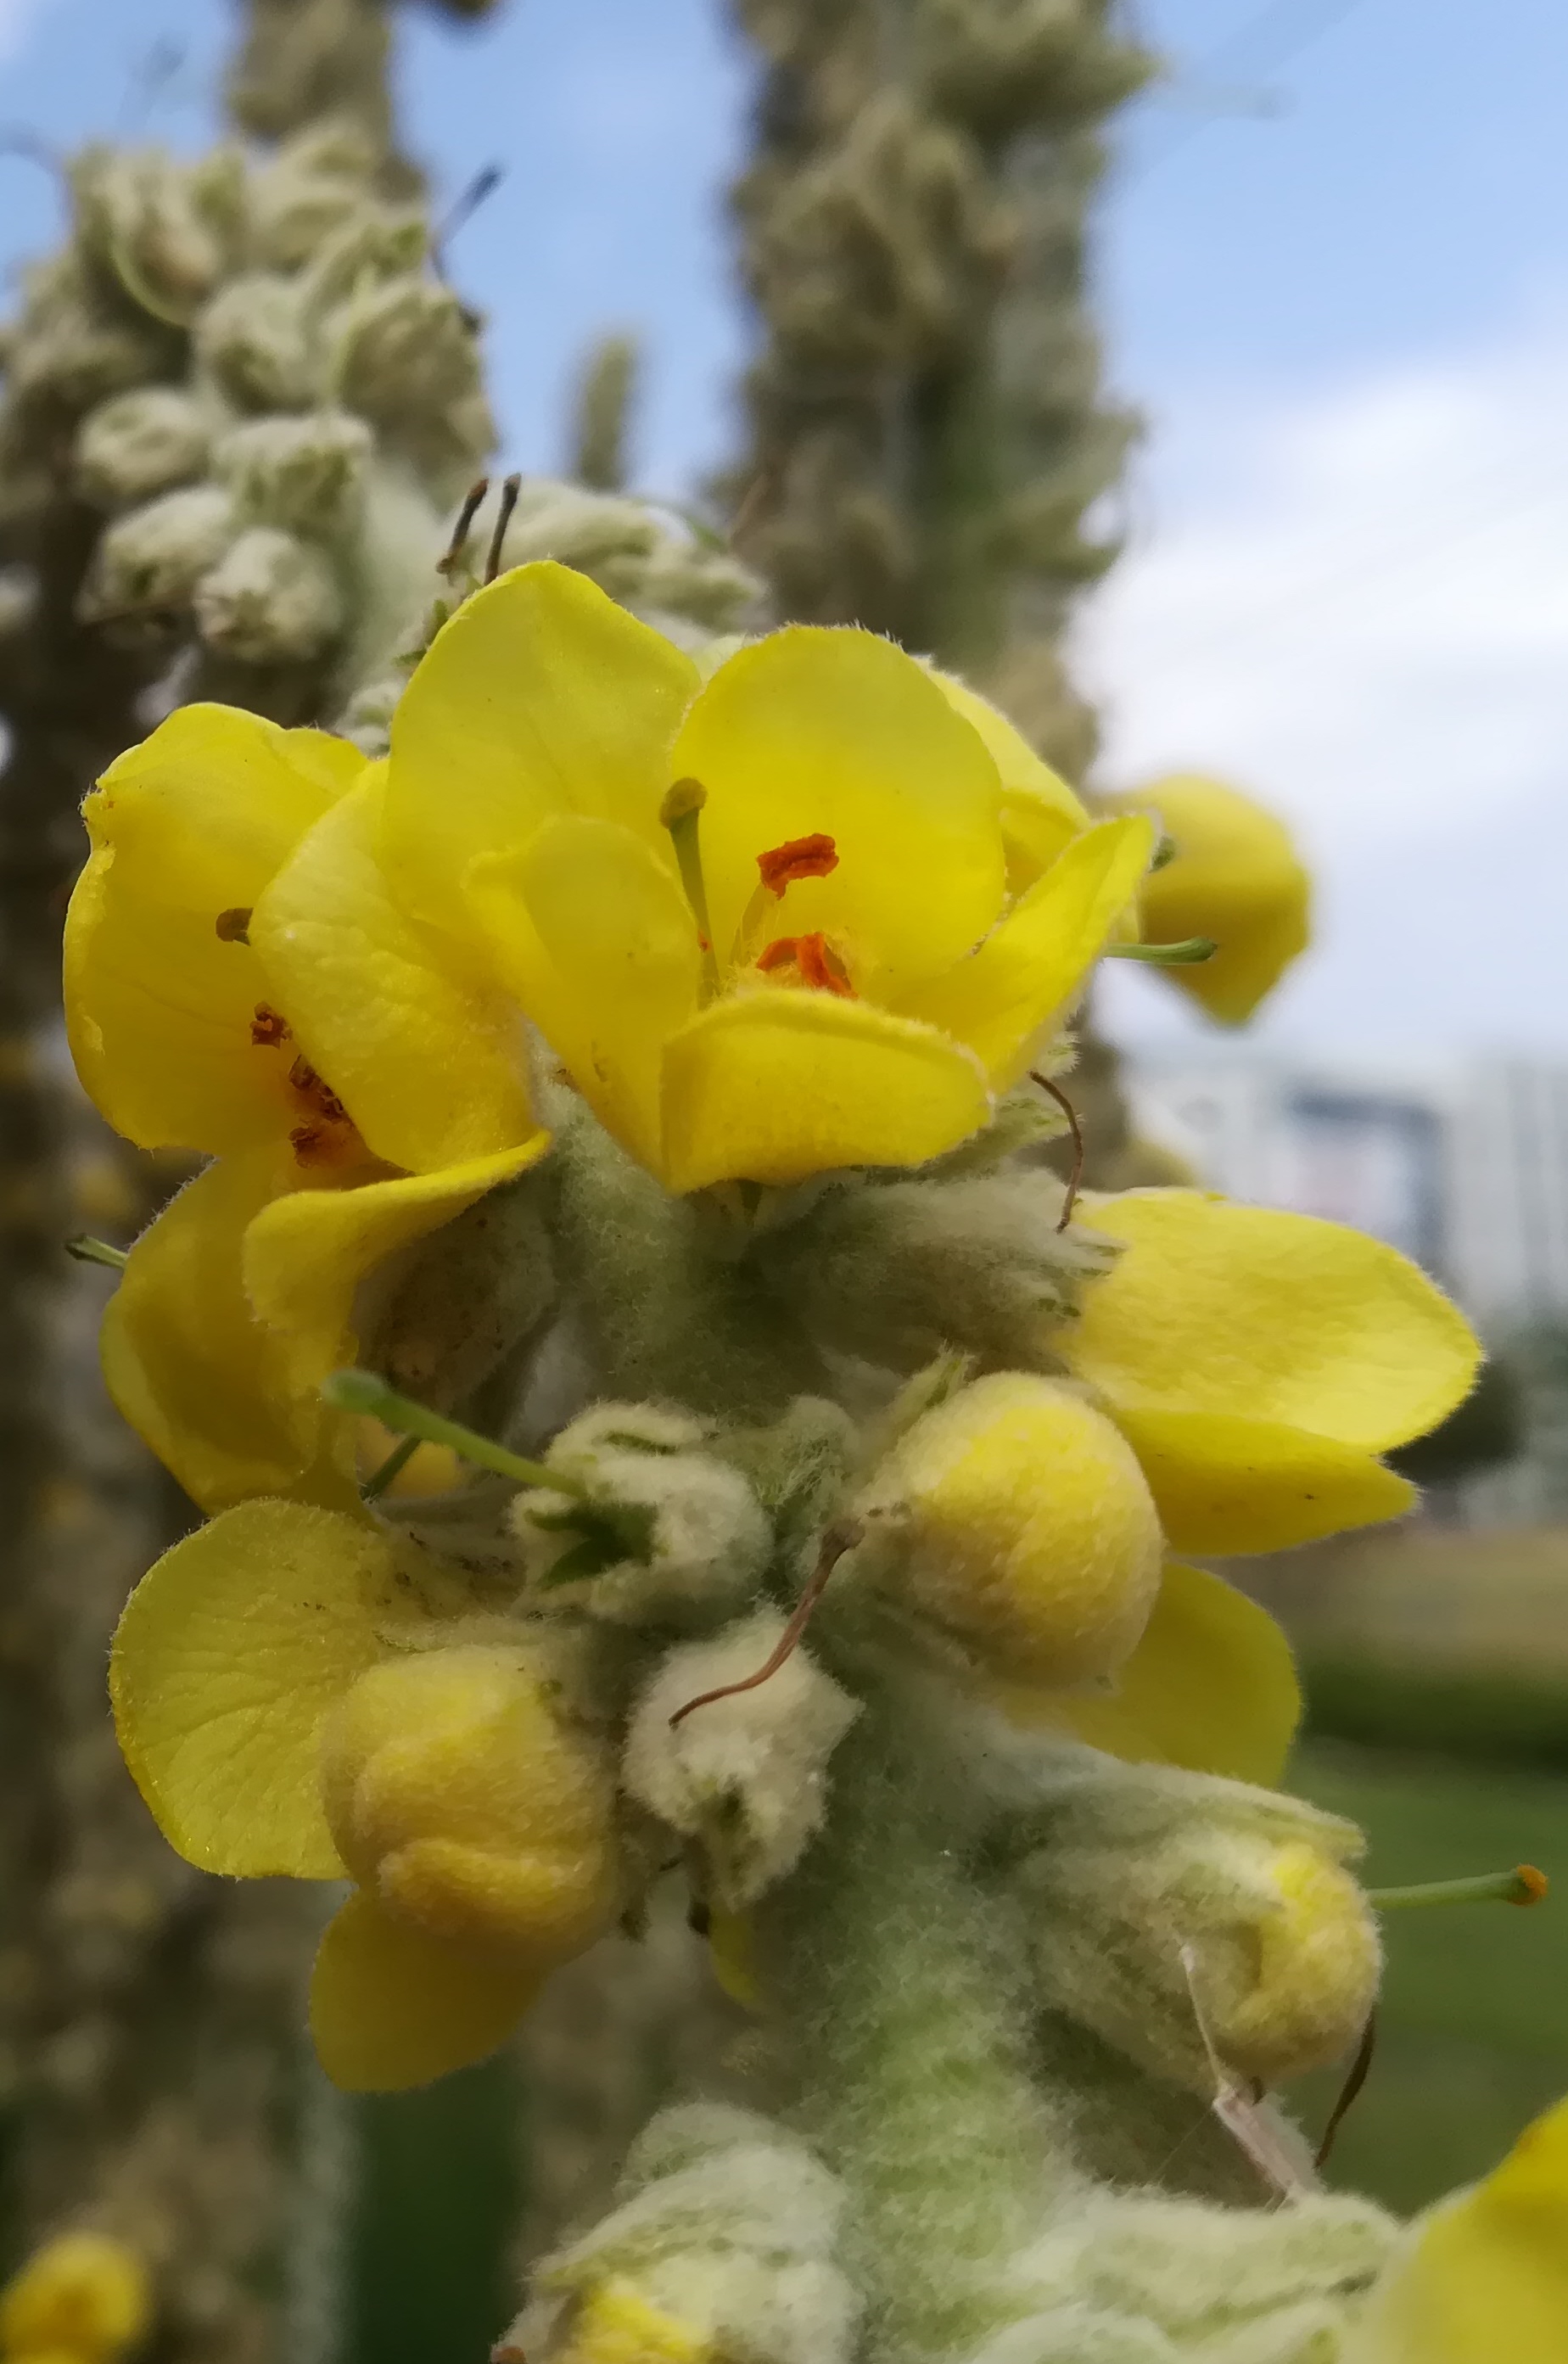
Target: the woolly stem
pixel 903 1985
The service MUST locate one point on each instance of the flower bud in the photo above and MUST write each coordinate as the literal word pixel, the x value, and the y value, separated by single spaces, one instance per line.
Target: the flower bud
pixel 666 1531
pixel 304 474
pixel 254 339
pixel 316 184
pixel 1170 1913
pixel 270 599
pixel 147 563
pixel 83 2296
pixel 745 1776
pixel 1014 1521
pixel 460 1798
pixel 724 2244
pixel 139 444
pixel 404 349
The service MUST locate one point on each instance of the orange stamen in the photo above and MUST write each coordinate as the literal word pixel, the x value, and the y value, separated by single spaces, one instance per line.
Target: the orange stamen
pixel 1535 1883
pixel 798 858
pixel 318 1097
pixel 814 961
pixel 268 1029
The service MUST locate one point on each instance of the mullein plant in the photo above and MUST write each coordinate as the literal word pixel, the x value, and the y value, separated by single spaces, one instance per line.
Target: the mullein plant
pixel 628 1084
pixel 239 406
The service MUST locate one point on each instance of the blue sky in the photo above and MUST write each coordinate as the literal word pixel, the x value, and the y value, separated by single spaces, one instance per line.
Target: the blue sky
pixel 1334 273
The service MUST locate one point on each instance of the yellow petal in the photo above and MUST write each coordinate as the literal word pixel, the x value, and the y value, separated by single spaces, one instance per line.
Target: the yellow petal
pixel 1040 815
pixel 231 1652
pixel 1485 2280
pixel 189 825
pixel 539 697
pixel 1258 1314
pixel 187 1363
pixel 1029 967
pixel 79 2297
pixel 593 935
pixel 1211 1687
pixel 840 733
pixel 1225 1484
pixel 777 1085
pixel 391 2006
pixel 428 1065
pixel 305 1254
pixel 1236 877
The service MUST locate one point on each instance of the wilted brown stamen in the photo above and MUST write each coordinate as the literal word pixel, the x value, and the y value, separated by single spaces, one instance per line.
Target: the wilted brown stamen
pixel 234 925
pixel 841 1537
pixel 509 491
pixel 1360 2068
pixel 451 557
pixel 268 1027
pixel 1076 1130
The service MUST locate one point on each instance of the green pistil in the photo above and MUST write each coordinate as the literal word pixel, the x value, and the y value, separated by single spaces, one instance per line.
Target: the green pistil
pixel 1187 954
pixel 1523 1885
pixel 679 814
pixel 362 1391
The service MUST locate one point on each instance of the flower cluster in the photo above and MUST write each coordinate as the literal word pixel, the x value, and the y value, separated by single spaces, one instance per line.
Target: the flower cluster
pixel 631 1074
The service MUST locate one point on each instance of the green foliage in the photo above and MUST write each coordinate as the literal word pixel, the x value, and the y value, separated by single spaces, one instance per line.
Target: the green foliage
pixel 1472 2037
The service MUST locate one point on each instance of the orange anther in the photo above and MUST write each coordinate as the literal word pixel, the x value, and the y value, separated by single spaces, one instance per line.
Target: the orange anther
pixel 1534 1883
pixel 814 962
pixel 798 858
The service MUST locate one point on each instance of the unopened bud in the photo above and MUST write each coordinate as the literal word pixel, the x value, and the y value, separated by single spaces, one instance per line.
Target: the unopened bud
pixel 660 1529
pixel 272 599
pixel 460 1798
pixel 253 338
pixel 306 473
pixel 1014 1522
pixel 1172 1913
pixel 139 444
pixel 744 1775
pixel 147 563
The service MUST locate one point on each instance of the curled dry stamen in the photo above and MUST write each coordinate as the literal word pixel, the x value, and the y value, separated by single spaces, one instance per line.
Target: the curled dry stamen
pixel 451 557
pixel 1359 2070
pixel 1076 1130
pixel 510 492
pixel 841 1537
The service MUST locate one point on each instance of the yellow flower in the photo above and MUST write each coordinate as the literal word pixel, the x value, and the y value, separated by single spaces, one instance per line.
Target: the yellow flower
pixel 1258 1362
pixel 765 922
pixel 1235 878
pixel 83 2298
pixel 616 2325
pixel 291 1698
pixel 240 983
pixel 1484 2277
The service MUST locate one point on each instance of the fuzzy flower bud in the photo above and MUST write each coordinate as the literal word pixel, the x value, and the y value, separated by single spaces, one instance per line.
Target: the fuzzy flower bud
pixel 457 1796
pixel 667 1531
pixel 272 599
pixel 405 348
pixel 1014 1521
pixel 305 475
pixel 314 186
pixel 253 338
pixel 1171 1913
pixel 147 563
pixel 722 2245
pixel 744 1776
pixel 139 444
pixel 151 229
pixel 83 2296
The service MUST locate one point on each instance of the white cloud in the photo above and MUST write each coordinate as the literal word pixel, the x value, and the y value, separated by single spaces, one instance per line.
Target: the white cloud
pixel 1356 602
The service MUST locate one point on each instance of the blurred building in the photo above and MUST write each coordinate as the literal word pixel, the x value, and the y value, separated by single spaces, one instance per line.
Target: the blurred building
pixel 1466 1169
